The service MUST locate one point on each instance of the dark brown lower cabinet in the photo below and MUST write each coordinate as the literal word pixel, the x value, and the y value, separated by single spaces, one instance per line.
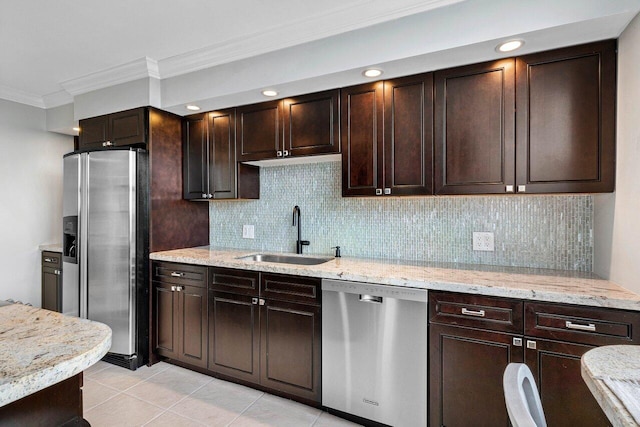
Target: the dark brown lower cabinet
pixel 51 281
pixel 265 329
pixel 566 399
pixel 466 368
pixel 468 358
pixel 180 302
pixel 290 360
pixel 234 336
pixel 57 405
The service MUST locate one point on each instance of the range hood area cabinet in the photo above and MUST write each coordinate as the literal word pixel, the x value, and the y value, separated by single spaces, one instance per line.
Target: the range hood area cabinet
pixel 300 126
pixel 540 123
pixel 124 128
pixel 387 131
pixel 210 169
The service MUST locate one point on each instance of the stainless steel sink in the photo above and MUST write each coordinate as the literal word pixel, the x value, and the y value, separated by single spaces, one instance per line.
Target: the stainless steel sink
pixel 287 259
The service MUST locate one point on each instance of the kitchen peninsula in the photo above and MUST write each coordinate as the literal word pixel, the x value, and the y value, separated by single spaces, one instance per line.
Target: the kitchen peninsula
pixel 43 354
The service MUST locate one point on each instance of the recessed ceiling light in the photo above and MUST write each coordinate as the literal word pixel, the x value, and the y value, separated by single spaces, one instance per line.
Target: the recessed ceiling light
pixel 193 108
pixel 372 72
pixel 269 92
pixel 510 45
pixel 76 129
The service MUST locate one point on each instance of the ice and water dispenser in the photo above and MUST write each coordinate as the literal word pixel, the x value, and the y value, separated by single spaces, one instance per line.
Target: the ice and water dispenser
pixel 69 239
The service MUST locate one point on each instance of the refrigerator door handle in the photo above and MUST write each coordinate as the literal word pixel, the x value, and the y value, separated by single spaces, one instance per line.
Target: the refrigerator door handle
pixel 83 226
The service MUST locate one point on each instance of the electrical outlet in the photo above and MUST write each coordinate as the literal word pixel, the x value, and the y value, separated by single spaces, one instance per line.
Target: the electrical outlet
pixel 483 241
pixel 248 232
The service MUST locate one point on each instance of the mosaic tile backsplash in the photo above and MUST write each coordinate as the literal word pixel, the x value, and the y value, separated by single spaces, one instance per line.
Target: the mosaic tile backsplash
pixel 552 232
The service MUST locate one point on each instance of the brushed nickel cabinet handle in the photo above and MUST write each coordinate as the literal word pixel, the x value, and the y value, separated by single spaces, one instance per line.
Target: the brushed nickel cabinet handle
pixel 176 274
pixel 467 312
pixel 591 327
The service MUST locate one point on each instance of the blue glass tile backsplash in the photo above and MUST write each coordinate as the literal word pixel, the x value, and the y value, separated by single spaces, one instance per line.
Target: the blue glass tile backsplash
pixel 530 231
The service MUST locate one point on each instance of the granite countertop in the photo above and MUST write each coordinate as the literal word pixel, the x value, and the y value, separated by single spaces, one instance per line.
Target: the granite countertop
pixel 39 348
pixel 612 373
pixel 51 247
pixel 525 283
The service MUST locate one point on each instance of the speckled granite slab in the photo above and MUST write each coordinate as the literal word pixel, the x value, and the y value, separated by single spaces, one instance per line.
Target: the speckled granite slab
pixel 512 282
pixel 51 247
pixel 617 362
pixel 39 348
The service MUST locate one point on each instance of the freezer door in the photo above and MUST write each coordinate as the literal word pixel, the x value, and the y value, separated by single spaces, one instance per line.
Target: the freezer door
pixel 111 208
pixel 71 208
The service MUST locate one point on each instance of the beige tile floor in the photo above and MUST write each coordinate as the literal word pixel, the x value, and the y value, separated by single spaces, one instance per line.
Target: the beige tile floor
pixel 167 395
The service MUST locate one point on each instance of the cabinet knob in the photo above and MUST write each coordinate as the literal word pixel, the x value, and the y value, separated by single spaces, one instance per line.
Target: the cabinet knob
pixel 279 153
pixel 261 301
pixel 210 196
pixel 173 289
pixel 387 191
pixel 378 191
pixel 107 144
pixel 205 196
pixel 531 344
pixel 285 153
pixel 254 300
pixel 522 188
pixel 509 189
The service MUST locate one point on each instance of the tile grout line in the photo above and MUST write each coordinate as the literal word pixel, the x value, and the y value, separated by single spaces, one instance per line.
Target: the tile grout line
pixel 247 408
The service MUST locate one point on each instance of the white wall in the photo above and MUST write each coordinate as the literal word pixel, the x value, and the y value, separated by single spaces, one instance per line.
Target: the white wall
pixel 31 197
pixel 617 216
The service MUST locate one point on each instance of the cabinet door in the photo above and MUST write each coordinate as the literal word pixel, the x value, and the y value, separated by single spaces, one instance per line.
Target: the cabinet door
pixel 192 326
pixel 566 119
pixel 93 132
pixel 362 137
pixel 466 368
pixel 312 124
pixel 51 289
pixel 290 356
pixel 566 399
pixel 234 336
pixel 166 320
pixel 222 154
pixel 259 131
pixel 474 128
pixel 408 135
pixel 128 127
pixel 195 147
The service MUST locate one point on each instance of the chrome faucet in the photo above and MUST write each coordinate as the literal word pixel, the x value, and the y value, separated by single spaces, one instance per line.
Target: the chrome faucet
pixel 299 243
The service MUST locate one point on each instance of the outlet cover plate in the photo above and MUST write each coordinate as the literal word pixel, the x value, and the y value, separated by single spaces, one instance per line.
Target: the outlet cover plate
pixel 248 232
pixel 483 241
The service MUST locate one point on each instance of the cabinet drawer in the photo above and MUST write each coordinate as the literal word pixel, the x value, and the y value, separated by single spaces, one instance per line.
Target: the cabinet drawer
pixel 585 325
pixel 290 288
pixel 492 313
pixel 235 281
pixel 51 259
pixel 181 274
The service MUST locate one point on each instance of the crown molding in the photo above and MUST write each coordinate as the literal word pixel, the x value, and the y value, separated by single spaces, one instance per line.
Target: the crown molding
pixel 134 70
pixel 320 26
pixel 20 96
pixel 57 99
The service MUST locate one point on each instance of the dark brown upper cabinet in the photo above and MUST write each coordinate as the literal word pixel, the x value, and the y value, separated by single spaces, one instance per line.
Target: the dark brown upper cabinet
pixel 475 128
pixel 565 137
pixel 210 170
pixel 388 137
pixel 125 128
pixel 540 123
pixel 299 126
pixel 311 124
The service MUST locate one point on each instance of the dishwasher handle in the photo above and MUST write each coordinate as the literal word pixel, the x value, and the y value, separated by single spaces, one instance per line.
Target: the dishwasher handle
pixel 370 298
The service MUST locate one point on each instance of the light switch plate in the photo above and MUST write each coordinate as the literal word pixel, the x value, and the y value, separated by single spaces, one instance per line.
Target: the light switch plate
pixel 248 232
pixel 483 241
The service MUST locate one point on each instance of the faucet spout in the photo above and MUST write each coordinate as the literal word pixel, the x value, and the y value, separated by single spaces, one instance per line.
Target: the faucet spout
pixel 296 221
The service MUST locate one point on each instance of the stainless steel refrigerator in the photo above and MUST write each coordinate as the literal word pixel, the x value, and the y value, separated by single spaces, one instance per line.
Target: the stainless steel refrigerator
pixel 105 247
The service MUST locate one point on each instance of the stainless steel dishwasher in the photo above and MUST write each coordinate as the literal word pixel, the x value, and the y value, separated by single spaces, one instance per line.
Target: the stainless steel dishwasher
pixel 374 351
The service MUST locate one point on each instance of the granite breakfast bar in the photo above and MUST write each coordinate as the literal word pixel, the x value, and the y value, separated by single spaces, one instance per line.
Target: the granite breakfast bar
pixel 42 356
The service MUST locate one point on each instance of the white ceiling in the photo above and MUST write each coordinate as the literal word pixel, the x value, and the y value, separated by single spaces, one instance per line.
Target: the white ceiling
pixel 221 53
